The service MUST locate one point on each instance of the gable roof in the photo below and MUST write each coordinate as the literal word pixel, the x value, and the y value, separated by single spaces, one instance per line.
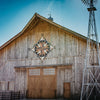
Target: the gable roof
pixel 45 19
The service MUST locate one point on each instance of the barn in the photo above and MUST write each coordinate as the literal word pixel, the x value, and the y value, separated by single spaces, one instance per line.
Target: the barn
pixel 44 60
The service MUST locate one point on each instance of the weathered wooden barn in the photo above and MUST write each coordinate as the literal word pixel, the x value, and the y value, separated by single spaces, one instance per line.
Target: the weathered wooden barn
pixel 44 60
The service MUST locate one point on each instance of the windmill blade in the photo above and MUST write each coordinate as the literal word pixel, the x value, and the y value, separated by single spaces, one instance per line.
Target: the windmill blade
pixel 88 2
pixel 95 1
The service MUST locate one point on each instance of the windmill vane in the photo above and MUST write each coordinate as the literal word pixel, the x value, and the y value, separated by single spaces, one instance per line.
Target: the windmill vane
pixel 88 2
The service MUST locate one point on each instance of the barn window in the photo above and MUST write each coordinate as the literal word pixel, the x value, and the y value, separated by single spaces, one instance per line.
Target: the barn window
pixel 2 85
pixel 10 85
pixel 34 72
pixel 49 71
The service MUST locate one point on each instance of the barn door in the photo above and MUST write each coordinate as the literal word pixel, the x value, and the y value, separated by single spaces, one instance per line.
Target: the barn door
pixel 48 83
pixel 42 82
pixel 34 83
pixel 66 90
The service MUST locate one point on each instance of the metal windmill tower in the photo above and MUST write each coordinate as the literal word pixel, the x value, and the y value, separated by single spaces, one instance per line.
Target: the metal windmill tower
pixel 91 72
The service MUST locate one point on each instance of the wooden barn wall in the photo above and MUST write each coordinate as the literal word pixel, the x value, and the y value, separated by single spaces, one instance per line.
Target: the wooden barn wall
pixel 21 83
pixel 68 49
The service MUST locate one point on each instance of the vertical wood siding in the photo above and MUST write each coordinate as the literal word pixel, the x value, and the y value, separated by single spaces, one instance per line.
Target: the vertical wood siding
pixel 68 49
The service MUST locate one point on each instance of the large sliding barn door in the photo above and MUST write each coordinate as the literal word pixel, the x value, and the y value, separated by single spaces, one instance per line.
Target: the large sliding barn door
pixel 42 82
pixel 34 83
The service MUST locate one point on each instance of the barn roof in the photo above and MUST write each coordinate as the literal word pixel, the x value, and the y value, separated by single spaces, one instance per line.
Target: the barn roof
pixel 36 16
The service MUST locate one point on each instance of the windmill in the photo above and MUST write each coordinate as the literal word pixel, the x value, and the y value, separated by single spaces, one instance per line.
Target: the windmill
pixel 91 71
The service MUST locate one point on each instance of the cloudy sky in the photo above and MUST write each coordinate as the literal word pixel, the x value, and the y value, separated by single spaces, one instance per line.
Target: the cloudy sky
pixel 72 14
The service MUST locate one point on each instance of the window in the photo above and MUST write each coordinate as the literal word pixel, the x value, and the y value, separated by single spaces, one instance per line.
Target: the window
pixel 10 85
pixel 49 71
pixel 2 85
pixel 34 72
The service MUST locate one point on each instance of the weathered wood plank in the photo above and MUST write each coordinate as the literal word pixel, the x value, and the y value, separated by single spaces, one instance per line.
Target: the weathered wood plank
pixel 68 49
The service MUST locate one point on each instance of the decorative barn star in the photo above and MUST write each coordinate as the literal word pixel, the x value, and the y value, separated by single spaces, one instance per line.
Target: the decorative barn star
pixel 42 48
